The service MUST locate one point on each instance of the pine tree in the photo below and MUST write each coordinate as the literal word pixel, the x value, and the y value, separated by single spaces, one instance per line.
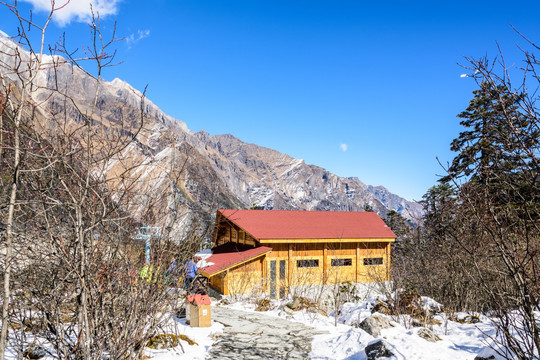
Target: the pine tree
pixel 494 125
pixel 439 204
pixel 399 225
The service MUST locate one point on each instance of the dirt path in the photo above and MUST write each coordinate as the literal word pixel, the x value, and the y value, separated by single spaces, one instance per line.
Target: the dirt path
pixel 249 335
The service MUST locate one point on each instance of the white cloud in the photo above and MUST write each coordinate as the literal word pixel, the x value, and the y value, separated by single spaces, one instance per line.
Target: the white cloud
pixel 343 147
pixel 463 75
pixel 76 10
pixel 133 38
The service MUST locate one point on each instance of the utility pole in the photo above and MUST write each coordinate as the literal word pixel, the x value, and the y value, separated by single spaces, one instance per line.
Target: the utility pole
pixel 146 233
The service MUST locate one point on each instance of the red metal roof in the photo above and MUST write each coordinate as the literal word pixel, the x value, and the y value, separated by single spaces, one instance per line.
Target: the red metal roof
pixel 199 299
pixel 292 224
pixel 229 255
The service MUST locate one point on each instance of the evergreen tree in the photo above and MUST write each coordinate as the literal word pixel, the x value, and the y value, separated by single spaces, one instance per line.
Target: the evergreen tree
pixel 493 126
pixel 399 225
pixel 497 153
pixel 439 204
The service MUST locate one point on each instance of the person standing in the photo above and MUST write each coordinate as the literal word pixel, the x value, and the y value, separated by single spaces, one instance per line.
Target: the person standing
pixel 191 273
pixel 171 274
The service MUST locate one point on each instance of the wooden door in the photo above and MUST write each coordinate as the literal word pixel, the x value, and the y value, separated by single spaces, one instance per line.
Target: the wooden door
pixel 273 279
pixel 282 278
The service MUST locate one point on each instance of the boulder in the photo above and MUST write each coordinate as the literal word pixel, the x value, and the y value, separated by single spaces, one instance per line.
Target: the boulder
pixel 295 304
pixel 300 303
pixel 34 352
pixel 382 307
pixel 378 349
pixel 263 305
pixel 163 341
pixel 468 319
pixel 287 310
pixel 374 324
pixel 428 335
pixel 487 353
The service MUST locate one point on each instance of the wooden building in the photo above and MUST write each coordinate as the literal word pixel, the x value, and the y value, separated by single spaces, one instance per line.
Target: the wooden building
pixel 273 250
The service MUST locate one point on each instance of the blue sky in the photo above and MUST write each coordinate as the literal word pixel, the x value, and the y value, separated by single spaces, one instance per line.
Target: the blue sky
pixel 365 89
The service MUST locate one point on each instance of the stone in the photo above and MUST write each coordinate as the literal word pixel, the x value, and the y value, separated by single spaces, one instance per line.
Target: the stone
pixel 269 337
pixel 487 353
pixel 382 307
pixel 300 303
pixel 263 305
pixel 287 310
pixel 378 349
pixel 374 324
pixel 163 341
pixel 295 304
pixel 428 335
pixel 469 319
pixel 34 352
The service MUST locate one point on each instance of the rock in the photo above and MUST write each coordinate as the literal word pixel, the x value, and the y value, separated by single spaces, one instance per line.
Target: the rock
pixel 382 307
pixel 468 319
pixel 300 303
pixel 378 349
pixel 34 325
pixel 166 341
pixel 295 304
pixel 428 335
pixel 487 353
pixel 263 305
pixel 251 336
pixel 374 324
pixel 34 352
pixel 287 310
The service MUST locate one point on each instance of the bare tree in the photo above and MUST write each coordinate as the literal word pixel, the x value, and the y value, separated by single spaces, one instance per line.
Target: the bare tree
pixel 74 282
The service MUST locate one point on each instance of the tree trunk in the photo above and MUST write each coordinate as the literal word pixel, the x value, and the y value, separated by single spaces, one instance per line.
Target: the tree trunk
pixel 9 234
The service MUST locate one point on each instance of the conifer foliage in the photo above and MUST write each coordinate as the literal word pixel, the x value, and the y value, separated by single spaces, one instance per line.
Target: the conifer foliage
pixel 491 121
pixel 497 163
pixel 479 249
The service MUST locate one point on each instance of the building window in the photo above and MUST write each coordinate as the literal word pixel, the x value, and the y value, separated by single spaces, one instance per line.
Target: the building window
pixel 307 263
pixel 341 262
pixel 373 261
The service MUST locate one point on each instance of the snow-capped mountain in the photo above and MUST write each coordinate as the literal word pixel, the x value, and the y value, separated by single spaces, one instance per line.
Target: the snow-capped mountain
pixel 196 172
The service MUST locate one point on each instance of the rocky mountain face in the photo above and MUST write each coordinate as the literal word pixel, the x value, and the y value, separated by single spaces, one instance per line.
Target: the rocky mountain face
pixel 191 174
pixel 272 180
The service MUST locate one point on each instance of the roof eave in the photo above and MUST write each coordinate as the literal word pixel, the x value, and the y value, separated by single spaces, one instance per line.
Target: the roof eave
pixel 326 240
pixel 209 275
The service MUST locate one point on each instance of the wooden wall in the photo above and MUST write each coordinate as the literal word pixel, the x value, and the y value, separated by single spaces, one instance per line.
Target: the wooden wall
pixel 337 262
pixel 227 232
pixel 218 282
pixel 243 279
pixel 374 272
pixel 359 262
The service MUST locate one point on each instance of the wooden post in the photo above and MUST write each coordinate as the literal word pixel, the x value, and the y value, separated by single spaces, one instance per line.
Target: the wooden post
pixel 388 247
pixel 290 262
pixel 226 283
pixel 264 273
pixel 325 265
pixel 357 262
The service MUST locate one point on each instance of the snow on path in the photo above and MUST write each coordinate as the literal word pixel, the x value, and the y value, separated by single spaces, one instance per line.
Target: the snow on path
pixel 254 335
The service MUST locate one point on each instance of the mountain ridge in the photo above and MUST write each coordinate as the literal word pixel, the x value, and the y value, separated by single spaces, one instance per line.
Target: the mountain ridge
pixel 217 170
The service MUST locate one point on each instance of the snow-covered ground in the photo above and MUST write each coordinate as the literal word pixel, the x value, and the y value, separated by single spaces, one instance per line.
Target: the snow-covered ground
pixel 202 336
pixel 456 340
pixel 345 341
